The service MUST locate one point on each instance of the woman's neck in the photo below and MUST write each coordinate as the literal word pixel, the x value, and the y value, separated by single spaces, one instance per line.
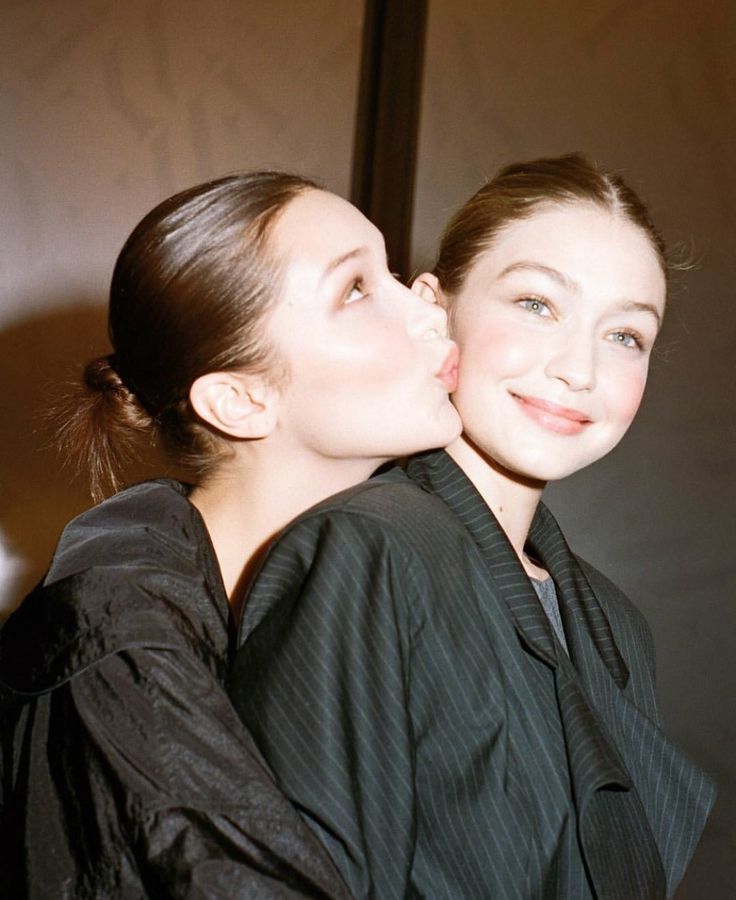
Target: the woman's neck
pixel 512 499
pixel 250 499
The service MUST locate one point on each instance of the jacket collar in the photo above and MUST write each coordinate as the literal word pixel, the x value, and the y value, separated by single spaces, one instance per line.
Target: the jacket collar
pixel 600 783
pixel 586 624
pixel 583 617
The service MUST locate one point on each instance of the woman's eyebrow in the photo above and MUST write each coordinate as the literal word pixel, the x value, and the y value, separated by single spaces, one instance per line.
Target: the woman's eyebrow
pixel 529 266
pixel 572 285
pixel 636 306
pixel 341 260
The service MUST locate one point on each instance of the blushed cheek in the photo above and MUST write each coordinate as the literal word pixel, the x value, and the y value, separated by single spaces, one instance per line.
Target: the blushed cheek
pixel 498 352
pixel 361 365
pixel 629 393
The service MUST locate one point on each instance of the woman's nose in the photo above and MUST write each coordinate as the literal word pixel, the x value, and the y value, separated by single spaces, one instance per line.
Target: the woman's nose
pixel 573 361
pixel 427 320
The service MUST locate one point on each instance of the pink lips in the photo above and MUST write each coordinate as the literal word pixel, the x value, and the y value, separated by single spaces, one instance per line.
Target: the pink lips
pixel 448 373
pixel 552 416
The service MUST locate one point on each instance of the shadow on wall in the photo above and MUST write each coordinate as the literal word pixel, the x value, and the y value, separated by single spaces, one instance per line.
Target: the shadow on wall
pixel 38 493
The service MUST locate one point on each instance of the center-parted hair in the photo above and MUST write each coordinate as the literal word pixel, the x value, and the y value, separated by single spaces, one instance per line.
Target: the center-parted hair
pixel 520 190
pixel 189 295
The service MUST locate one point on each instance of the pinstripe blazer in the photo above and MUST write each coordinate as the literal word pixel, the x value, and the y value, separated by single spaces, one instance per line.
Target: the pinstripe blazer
pixel 402 680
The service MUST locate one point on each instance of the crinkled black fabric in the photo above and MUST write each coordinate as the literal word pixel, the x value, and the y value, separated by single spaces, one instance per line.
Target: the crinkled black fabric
pixel 125 771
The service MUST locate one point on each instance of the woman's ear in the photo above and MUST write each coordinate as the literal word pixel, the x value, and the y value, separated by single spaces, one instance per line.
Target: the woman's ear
pixel 234 403
pixel 428 288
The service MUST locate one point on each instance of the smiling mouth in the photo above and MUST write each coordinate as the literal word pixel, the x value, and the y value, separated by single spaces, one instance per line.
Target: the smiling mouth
pixel 448 373
pixel 552 416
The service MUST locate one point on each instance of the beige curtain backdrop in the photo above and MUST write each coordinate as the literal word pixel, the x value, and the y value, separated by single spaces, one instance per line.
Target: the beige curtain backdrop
pixel 646 88
pixel 108 107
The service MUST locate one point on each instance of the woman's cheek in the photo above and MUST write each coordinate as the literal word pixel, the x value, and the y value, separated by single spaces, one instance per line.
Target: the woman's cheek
pixel 500 351
pixel 625 394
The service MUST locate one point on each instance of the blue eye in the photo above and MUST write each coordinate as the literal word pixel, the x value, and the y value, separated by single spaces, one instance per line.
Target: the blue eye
pixel 535 306
pixel 626 339
pixel 356 292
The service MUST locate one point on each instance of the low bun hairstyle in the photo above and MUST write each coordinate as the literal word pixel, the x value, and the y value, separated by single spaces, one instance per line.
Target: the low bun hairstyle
pixel 189 295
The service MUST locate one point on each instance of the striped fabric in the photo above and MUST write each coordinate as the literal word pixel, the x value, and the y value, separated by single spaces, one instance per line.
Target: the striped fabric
pixel 404 683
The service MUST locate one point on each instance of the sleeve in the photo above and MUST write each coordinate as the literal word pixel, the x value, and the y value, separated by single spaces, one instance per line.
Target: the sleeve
pixel 157 758
pixel 323 681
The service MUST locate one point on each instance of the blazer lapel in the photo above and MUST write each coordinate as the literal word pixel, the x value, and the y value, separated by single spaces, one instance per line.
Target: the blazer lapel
pixel 614 833
pixel 586 625
pixel 674 794
pixel 439 474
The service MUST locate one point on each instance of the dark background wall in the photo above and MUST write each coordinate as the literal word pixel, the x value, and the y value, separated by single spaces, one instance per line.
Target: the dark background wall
pixel 107 108
pixel 646 88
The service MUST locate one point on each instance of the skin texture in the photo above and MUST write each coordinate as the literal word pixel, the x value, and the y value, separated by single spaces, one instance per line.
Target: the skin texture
pixel 362 351
pixel 363 375
pixel 555 323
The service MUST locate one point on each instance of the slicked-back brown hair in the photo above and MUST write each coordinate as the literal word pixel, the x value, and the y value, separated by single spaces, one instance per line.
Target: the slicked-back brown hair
pixel 520 190
pixel 189 295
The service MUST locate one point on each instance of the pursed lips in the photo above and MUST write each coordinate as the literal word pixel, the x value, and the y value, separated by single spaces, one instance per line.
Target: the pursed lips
pixel 448 373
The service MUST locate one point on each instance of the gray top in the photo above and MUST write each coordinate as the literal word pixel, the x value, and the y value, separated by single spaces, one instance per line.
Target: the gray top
pixel 548 598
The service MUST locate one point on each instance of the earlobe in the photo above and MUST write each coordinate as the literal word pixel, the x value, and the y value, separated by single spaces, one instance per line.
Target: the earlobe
pixel 428 288
pixel 235 404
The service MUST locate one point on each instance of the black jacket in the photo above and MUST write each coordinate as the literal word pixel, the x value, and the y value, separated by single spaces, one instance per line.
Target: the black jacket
pixel 126 772
pixel 403 681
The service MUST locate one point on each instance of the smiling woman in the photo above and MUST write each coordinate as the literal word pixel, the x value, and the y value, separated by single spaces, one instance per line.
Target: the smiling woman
pixel 556 321
pixel 257 331
pixel 458 705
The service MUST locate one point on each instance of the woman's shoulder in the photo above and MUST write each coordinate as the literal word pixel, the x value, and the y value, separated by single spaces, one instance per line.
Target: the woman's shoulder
pixel 550 543
pixel 618 606
pixel 388 507
pixel 382 540
pixel 633 637
pixel 129 573
pixel 128 528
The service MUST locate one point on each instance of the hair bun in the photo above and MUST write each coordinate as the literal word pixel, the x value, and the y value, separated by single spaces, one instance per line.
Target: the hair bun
pixel 101 375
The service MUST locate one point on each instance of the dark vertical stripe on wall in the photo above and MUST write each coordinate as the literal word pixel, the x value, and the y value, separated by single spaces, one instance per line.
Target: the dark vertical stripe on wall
pixel 387 122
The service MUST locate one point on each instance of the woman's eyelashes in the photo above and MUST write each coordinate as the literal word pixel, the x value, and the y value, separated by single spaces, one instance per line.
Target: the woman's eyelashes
pixel 364 287
pixel 629 339
pixel 356 291
pixel 536 306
